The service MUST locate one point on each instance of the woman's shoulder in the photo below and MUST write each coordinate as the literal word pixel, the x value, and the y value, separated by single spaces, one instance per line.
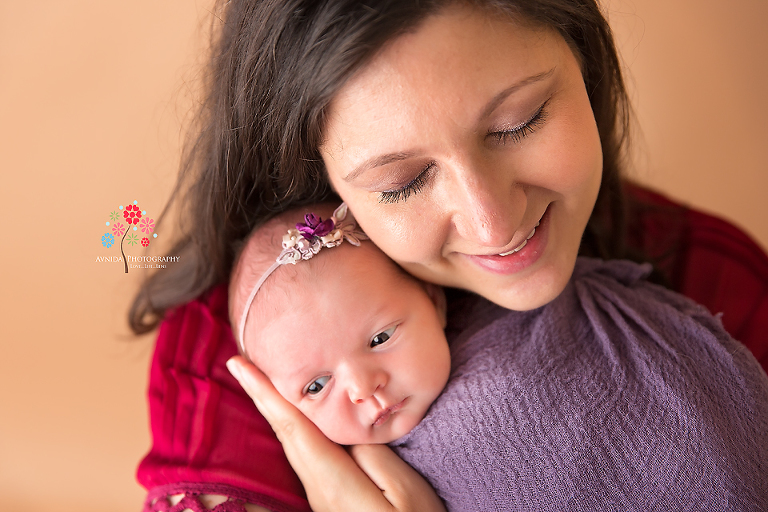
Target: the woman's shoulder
pixel 617 293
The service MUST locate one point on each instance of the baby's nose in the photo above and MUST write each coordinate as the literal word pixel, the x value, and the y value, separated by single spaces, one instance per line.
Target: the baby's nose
pixel 364 384
pixel 358 392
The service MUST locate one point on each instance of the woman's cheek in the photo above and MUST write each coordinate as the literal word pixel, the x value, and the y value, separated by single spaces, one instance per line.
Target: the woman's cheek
pixel 569 160
pixel 406 236
pixel 581 141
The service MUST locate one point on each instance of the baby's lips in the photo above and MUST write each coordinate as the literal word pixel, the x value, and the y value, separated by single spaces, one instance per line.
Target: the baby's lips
pixel 384 415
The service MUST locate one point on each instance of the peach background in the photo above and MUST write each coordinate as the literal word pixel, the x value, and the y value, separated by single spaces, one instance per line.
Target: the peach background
pixel 92 98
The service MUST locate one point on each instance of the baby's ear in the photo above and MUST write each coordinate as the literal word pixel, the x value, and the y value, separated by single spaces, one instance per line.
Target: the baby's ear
pixel 437 295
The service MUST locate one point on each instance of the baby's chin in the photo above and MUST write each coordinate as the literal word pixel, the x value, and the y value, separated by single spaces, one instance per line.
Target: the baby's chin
pixel 394 429
pixel 351 440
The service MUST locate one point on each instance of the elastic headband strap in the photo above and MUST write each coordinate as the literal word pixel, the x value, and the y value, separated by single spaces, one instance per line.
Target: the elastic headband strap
pixel 303 243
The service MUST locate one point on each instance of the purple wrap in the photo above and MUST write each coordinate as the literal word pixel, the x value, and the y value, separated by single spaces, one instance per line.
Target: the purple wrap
pixel 619 395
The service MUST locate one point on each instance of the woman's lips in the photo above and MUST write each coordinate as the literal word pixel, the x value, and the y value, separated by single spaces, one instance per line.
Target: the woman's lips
pixel 522 256
pixel 388 412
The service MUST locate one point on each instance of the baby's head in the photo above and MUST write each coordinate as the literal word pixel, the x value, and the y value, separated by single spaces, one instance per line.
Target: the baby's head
pixel 346 336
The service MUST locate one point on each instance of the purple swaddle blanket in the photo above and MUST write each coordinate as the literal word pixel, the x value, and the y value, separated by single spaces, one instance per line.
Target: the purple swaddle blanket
pixel 619 395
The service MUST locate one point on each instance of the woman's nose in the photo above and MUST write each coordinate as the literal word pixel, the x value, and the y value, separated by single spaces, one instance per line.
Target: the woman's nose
pixel 487 204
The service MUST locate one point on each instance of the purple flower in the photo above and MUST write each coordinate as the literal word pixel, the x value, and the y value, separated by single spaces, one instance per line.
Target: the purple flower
pixel 314 226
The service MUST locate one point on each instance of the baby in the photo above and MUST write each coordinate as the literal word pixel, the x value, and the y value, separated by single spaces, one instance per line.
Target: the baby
pixel 617 395
pixel 347 336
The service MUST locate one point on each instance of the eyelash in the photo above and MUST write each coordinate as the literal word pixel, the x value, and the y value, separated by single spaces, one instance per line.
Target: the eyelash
pixel 514 135
pixel 414 187
pixel 518 133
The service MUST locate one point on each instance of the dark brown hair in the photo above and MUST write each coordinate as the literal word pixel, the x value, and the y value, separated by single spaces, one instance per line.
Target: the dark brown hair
pixel 275 67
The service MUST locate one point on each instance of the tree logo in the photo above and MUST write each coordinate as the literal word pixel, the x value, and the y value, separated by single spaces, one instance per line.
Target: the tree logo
pixel 126 223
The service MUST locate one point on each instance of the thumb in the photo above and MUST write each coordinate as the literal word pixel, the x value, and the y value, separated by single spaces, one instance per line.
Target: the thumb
pixel 258 386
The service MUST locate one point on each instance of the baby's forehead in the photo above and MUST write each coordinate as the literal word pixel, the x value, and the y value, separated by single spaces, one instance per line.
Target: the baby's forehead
pixel 301 292
pixel 278 294
pixel 358 269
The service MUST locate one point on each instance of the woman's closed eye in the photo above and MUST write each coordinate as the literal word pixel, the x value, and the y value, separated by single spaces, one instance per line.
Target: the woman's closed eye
pixel 317 385
pixel 383 337
pixel 517 133
pixel 413 187
pixel 514 135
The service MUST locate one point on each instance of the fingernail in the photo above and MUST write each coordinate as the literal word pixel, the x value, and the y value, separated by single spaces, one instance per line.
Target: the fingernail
pixel 234 369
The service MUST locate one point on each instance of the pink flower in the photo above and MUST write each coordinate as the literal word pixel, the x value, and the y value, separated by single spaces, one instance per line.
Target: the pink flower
pixel 147 225
pixel 118 229
pixel 132 214
pixel 145 242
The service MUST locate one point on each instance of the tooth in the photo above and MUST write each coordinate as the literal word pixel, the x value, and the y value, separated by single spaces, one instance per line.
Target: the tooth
pixel 533 232
pixel 515 249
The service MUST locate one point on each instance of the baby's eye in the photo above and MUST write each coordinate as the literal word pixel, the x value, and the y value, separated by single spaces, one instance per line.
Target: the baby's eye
pixel 382 337
pixel 318 385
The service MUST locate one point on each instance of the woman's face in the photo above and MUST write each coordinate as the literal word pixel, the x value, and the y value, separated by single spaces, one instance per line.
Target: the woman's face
pixel 459 141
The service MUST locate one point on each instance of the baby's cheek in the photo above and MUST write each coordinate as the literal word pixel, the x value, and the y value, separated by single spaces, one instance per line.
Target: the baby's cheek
pixel 434 368
pixel 310 412
pixel 444 370
pixel 334 424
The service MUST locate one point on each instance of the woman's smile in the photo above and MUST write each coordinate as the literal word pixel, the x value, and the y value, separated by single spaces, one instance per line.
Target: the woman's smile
pixel 520 257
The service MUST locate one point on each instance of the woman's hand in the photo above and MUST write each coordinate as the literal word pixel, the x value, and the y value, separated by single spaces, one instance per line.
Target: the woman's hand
pixel 366 477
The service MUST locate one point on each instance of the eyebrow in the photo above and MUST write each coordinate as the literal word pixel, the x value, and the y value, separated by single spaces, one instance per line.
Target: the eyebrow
pixel 378 161
pixel 503 95
pixel 492 105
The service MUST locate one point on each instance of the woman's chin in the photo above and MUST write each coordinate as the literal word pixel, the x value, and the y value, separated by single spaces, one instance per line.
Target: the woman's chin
pixel 543 282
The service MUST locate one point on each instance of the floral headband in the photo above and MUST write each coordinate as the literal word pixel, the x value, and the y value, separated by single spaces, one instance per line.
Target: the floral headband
pixel 303 243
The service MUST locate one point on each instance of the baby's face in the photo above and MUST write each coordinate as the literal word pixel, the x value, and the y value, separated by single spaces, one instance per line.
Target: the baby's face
pixel 359 348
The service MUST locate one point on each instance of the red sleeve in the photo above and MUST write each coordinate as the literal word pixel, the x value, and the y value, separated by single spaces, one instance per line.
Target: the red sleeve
pixel 206 431
pixel 727 272
pixel 707 259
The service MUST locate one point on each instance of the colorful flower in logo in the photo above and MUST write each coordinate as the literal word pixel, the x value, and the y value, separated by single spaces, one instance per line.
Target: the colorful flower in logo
pixel 134 218
pixel 147 225
pixel 132 214
pixel 118 229
pixel 107 240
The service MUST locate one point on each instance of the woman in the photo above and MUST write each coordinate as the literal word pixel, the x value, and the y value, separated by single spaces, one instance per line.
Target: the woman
pixel 452 130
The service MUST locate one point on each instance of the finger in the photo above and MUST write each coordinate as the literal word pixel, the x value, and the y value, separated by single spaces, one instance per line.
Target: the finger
pixel 381 464
pixel 287 421
pixel 283 416
pixel 269 402
pixel 402 485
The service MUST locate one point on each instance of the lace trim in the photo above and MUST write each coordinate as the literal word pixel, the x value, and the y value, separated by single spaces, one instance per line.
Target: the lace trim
pixel 192 502
pixel 159 499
